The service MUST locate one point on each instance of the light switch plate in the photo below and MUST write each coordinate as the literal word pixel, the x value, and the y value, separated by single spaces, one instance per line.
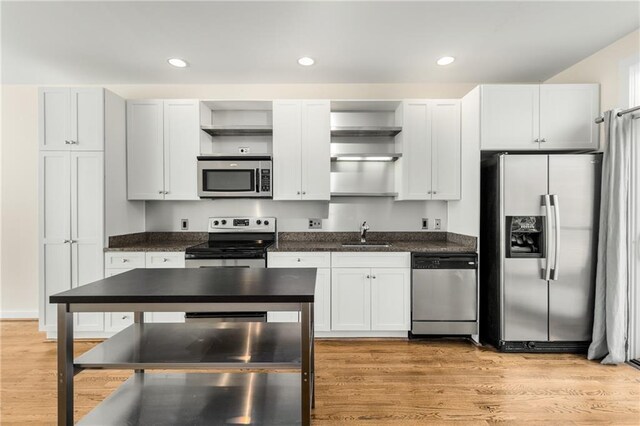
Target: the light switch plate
pixel 315 223
pixel 437 224
pixel 425 223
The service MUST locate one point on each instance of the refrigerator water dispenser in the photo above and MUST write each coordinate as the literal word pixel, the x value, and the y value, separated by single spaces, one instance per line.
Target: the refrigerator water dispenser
pixel 525 236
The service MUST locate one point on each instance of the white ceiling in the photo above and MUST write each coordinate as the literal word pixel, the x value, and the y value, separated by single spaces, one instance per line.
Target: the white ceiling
pixel 259 42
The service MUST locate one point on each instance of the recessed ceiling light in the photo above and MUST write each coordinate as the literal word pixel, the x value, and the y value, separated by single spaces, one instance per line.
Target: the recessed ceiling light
pixel 446 60
pixel 306 61
pixel 177 62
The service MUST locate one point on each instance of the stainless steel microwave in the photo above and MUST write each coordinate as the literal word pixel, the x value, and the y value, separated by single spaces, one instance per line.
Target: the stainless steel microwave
pixel 235 177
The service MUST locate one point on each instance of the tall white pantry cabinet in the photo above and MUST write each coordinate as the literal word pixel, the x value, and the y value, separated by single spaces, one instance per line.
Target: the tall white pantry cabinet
pixel 75 128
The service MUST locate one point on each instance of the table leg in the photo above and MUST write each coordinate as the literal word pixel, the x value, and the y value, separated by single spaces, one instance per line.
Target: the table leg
pixel 305 327
pixel 65 365
pixel 138 318
pixel 313 356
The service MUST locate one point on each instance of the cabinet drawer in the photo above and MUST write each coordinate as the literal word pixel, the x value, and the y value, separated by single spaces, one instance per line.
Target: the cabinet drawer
pixel 124 260
pixel 111 272
pixel 163 259
pixel 299 260
pixel 371 260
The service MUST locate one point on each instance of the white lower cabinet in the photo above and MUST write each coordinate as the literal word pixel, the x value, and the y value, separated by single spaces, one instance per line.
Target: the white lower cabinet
pixel 351 299
pixel 322 302
pixel 376 299
pixel 390 299
pixel 118 262
pixel 116 321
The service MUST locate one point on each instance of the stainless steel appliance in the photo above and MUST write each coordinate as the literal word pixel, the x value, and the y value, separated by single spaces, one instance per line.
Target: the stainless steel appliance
pixel 235 177
pixel 539 220
pixel 444 294
pixel 234 242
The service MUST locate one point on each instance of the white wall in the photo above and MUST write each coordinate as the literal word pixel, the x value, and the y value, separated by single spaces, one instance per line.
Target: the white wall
pixel 464 215
pixel 19 214
pixel 342 214
pixel 605 67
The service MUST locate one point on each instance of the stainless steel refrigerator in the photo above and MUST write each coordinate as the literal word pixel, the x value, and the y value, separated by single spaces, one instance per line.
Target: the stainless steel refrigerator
pixel 538 239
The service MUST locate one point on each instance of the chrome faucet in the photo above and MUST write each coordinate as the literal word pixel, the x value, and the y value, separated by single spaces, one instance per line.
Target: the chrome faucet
pixel 363 232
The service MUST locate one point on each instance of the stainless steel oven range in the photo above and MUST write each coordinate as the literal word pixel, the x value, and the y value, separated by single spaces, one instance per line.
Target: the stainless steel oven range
pixel 234 242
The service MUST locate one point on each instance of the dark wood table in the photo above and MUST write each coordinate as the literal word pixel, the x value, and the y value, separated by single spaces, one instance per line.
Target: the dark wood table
pixel 285 396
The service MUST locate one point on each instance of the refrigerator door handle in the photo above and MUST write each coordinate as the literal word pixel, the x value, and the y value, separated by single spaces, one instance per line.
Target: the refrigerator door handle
pixel 556 216
pixel 546 202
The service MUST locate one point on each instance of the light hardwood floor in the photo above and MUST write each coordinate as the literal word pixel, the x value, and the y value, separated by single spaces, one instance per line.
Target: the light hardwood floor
pixel 372 382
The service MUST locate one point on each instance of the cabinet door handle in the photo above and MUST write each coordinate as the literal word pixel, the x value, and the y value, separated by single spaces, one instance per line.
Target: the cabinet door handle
pixel 165 260
pixel 160 192
pixel 299 259
pixel 166 192
pixel 368 276
pixel 373 276
pixel 125 260
pixel 298 193
pixel 536 140
pixel 304 193
pixel 543 140
pixel 67 142
pixel 73 241
pixel 66 241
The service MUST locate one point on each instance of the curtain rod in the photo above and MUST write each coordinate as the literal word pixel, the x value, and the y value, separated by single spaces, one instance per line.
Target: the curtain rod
pixel 620 114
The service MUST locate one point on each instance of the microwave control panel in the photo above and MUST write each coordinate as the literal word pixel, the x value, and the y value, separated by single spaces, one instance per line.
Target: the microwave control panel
pixel 265 180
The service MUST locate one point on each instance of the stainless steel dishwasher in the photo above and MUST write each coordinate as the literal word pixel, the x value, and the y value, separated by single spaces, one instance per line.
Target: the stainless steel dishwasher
pixel 444 294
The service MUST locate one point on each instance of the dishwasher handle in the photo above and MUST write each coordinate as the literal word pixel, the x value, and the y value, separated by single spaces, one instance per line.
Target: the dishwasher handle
pixel 453 261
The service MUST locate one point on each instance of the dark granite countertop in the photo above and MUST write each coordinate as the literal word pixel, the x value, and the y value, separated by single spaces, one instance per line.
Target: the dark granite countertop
pixel 198 285
pixel 419 241
pixel 424 242
pixel 156 241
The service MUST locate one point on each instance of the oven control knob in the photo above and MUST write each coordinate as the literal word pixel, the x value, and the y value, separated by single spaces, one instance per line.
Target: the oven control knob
pixel 224 222
pixel 266 222
pixel 215 223
pixel 258 222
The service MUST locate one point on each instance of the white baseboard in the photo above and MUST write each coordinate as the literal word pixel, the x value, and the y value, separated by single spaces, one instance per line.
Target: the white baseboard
pixel 19 315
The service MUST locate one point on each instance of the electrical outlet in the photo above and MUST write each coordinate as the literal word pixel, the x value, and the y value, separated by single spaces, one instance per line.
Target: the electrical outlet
pixel 244 150
pixel 184 224
pixel 315 223
pixel 436 224
pixel 425 223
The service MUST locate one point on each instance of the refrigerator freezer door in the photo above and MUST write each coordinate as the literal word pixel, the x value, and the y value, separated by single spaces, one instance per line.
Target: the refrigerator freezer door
pixel 574 180
pixel 525 181
pixel 525 301
pixel 524 287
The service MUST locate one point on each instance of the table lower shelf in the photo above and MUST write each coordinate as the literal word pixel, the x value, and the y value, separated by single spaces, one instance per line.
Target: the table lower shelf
pixel 237 345
pixel 202 399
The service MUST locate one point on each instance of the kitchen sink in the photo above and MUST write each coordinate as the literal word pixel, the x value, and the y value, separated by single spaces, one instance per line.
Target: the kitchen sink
pixel 368 244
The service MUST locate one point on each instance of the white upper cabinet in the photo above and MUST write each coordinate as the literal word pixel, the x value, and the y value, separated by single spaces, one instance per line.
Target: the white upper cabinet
pixel 510 116
pixel 567 113
pixel 181 149
pixel 445 150
pixel 316 150
pixel 526 117
pixel 71 119
pixel 162 149
pixel 145 152
pixel 413 179
pixel 301 150
pixel 430 144
pixel 287 150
